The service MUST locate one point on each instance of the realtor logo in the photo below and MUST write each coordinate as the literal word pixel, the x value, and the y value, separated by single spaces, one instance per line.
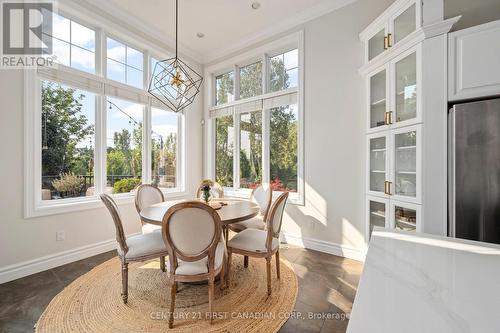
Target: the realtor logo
pixel 26 30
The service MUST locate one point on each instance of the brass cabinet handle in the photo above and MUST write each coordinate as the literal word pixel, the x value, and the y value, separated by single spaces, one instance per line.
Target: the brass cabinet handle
pixel 387 188
pixel 386 42
pixel 389 40
pixel 386 119
pixel 389 116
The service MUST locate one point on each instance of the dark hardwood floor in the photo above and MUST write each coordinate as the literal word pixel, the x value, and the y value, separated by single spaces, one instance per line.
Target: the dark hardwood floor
pixel 327 286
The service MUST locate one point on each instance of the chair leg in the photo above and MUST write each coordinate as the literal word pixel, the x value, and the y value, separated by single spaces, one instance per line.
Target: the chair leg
pixel 228 273
pixel 245 261
pixel 162 263
pixel 211 298
pixel 124 281
pixel 278 264
pixel 222 274
pixel 173 291
pixel 268 269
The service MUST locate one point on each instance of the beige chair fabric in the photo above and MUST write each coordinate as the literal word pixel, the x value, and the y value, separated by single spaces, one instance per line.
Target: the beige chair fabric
pixel 147 195
pixel 252 240
pixel 216 191
pixel 261 195
pixel 200 266
pixel 144 245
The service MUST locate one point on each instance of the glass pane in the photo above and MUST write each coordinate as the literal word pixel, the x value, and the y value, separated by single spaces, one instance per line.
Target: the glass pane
pixel 377 99
pixel 406 164
pixel 404 24
pixel 291 59
pixel 377 215
pixel 68 122
pixel 82 36
pixel 376 44
pixel 124 145
pixel 115 50
pixel 293 78
pixel 284 71
pixel 377 164
pixel 60 27
pixel 61 52
pixel 164 134
pixel 135 58
pixel 405 219
pixel 251 80
pixel 224 144
pixel 135 77
pixel 283 148
pixel 116 71
pixel 224 86
pixel 406 88
pixel 82 59
pixel 250 149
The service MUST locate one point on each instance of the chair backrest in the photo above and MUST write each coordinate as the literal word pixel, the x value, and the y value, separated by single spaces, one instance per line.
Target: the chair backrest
pixel 147 195
pixel 216 191
pixel 262 195
pixel 115 214
pixel 191 231
pixel 274 219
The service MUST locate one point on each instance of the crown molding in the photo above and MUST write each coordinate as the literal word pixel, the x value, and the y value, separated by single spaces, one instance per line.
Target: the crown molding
pixel 440 28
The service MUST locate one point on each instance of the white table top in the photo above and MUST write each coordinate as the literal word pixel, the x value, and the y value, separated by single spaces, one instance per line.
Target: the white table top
pixel 428 284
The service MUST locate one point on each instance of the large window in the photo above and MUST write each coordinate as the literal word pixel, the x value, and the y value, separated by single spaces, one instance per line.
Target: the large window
pixel 284 71
pixel 224 88
pixel 250 149
pixel 125 64
pixel 251 80
pixel 224 145
pixel 164 150
pixel 73 43
pixel 67 127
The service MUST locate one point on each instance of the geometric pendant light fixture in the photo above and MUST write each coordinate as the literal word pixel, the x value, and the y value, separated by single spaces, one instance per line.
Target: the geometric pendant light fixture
pixel 173 82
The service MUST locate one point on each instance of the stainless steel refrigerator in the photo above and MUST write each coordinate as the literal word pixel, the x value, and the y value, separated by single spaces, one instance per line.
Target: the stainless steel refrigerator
pixel 474 171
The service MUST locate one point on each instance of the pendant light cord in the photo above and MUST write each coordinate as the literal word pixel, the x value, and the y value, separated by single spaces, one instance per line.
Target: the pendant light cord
pixel 176 25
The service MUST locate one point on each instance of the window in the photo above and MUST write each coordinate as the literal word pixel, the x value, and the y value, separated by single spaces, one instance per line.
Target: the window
pixel 68 124
pixel 224 144
pixel 124 64
pixel 164 153
pixel 283 148
pixel 250 149
pixel 284 71
pixel 73 43
pixel 123 145
pixel 224 88
pixel 251 80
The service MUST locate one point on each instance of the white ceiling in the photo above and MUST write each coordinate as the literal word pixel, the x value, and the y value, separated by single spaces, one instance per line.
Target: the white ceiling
pixel 228 25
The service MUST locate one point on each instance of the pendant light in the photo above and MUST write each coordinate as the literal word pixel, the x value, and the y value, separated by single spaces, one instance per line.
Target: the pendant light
pixel 173 82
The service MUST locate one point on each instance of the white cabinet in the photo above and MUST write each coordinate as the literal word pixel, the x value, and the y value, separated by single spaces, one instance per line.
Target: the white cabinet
pixel 377 214
pixel 474 62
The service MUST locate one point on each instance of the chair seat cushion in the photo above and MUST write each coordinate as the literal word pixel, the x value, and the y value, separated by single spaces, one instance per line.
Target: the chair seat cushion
pixel 253 223
pixel 252 240
pixel 145 245
pixel 200 266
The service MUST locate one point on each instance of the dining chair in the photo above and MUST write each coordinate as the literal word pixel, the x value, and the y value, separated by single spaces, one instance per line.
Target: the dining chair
pixel 261 243
pixel 145 196
pixel 192 233
pixel 134 248
pixel 216 191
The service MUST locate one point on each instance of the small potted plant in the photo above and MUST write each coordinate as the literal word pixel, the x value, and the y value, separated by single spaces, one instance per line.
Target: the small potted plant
pixel 205 188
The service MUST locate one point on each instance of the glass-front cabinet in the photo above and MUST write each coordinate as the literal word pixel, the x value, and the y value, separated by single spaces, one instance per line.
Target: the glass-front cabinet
pixel 378 214
pixel 406 156
pixel 405 216
pixel 377 43
pixel 378 164
pixel 405 92
pixel 403 23
pixel 378 99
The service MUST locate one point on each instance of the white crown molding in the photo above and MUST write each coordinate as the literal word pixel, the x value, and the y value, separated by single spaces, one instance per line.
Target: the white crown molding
pixel 440 28
pixel 279 27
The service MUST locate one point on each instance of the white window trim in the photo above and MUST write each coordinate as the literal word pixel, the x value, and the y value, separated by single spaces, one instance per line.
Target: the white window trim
pixel 264 52
pixel 95 83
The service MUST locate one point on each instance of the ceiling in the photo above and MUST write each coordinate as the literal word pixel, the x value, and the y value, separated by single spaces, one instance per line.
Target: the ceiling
pixel 228 25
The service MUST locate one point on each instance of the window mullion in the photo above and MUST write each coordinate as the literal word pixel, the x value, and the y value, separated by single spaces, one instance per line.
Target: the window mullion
pixel 236 152
pixel 236 85
pixel 100 144
pixel 146 144
pixel 266 157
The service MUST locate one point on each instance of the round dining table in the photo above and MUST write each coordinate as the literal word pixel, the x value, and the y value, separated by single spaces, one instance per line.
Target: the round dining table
pixel 232 211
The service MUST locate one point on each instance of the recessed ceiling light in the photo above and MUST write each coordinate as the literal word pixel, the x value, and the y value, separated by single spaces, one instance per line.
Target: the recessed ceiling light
pixel 255 5
pixel 200 35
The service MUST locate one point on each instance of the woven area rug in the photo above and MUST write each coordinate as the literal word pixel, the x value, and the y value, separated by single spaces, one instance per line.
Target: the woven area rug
pixel 92 303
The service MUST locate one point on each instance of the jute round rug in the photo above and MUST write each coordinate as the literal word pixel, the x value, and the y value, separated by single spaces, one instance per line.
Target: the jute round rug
pixel 92 303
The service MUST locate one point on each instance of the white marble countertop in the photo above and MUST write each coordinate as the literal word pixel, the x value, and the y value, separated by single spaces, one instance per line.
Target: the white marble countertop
pixel 427 284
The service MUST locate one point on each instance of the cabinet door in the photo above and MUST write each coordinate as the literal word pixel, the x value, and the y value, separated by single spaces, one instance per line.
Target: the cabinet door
pixel 377 43
pixel 377 214
pixel 403 23
pixel 378 164
pixel 406 159
pixel 378 101
pixel 405 101
pixel 405 216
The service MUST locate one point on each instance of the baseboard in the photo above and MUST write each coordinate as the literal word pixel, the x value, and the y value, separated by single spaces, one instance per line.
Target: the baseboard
pixel 16 271
pixel 324 246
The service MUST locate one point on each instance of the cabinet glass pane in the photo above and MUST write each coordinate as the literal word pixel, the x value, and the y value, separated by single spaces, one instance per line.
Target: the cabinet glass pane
pixel 406 164
pixel 406 88
pixel 376 44
pixel 405 218
pixel 377 164
pixel 377 99
pixel 377 215
pixel 404 24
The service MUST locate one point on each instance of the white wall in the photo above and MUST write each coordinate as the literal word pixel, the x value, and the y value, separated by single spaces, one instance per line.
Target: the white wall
pixel 23 240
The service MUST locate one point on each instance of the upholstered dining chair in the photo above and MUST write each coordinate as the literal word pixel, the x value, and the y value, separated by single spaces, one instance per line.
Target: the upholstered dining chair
pixel 134 248
pixel 261 243
pixel 262 195
pixel 147 195
pixel 192 232
pixel 216 191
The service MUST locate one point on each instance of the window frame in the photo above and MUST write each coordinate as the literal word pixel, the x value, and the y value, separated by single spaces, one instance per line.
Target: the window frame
pixel 102 87
pixel 262 53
